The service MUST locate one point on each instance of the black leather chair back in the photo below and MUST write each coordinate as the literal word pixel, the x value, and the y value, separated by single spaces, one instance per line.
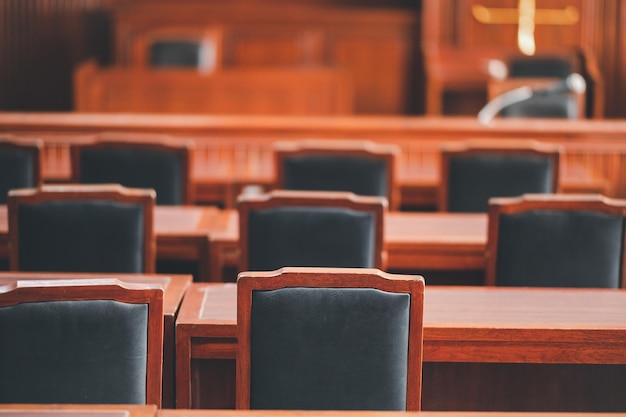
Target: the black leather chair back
pixel 18 169
pixel 310 236
pixel 560 249
pixel 175 53
pixel 361 176
pixel 81 236
pixel 473 179
pixel 542 66
pixel 88 351
pixel 139 167
pixel 329 348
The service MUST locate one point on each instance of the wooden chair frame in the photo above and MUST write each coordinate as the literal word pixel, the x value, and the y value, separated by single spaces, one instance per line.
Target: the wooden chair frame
pixel 281 198
pixel 560 202
pixel 388 153
pixel 248 282
pixel 28 290
pixel 495 148
pixel 77 192
pixel 162 143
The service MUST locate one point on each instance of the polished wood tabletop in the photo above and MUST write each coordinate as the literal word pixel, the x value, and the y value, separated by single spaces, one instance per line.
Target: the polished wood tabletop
pixel 100 410
pixel 360 413
pixel 461 324
pixel 77 410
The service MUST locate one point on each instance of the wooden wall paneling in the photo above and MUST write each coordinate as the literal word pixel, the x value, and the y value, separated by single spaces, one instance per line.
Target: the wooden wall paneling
pixel 378 46
pixel 269 44
pixel 382 61
pixel 41 42
pixel 504 36
pixel 621 84
pixel 450 29
pixel 614 57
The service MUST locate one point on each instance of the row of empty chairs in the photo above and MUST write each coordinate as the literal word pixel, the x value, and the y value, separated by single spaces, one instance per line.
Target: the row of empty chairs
pixel 136 161
pixel 373 322
pixel 100 341
pixel 537 239
pixel 470 173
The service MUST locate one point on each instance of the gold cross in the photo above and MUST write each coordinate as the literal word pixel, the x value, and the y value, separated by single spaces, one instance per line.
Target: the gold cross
pixel 526 16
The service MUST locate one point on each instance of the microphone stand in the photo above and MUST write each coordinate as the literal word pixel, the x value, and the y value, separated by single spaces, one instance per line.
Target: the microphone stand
pixel 491 109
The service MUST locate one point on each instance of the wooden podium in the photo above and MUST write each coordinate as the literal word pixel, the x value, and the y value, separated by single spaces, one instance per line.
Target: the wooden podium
pixel 462 38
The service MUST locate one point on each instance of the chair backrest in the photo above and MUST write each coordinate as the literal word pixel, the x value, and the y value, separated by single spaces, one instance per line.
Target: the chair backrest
pixel 556 240
pixel 178 48
pixel 93 341
pixel 329 338
pixel 544 72
pixel 81 228
pixel 559 66
pixel 474 171
pixel 20 164
pixel 137 161
pixel 361 167
pixel 310 228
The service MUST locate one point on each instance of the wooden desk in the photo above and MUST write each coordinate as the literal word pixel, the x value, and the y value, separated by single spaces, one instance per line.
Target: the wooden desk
pixel 301 90
pixel 182 234
pixel 484 348
pixel 175 287
pixel 330 413
pixel 77 410
pixel 415 241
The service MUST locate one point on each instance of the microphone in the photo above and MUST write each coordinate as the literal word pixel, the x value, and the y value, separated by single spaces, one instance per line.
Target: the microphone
pixel 573 83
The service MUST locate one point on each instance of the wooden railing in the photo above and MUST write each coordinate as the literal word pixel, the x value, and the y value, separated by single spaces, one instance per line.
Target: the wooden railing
pixel 234 151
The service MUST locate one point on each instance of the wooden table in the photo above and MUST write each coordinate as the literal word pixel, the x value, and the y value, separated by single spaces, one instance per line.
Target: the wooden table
pixel 174 286
pixel 182 234
pixel 77 410
pixel 332 413
pixel 485 348
pixel 415 241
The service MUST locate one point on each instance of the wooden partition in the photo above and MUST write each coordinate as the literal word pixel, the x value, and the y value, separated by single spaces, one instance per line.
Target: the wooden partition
pixel 377 45
pixel 232 151
pixel 261 90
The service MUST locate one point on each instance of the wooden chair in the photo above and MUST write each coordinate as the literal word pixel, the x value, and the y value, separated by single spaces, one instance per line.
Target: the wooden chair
pixel 556 240
pixel 555 105
pixel 20 164
pixel 81 228
pixel 138 161
pixel 361 167
pixel 311 228
pixel 551 66
pixel 329 338
pixel 96 341
pixel 474 171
